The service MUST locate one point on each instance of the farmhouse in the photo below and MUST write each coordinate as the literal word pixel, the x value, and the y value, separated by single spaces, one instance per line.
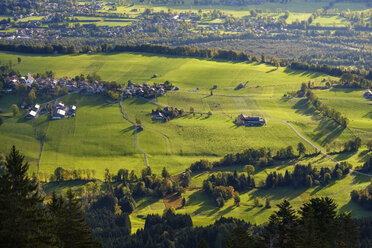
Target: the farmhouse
pixel 166 114
pixel 368 95
pixel 250 120
pixel 31 115
pixel 71 111
pixel 58 114
pixel 37 107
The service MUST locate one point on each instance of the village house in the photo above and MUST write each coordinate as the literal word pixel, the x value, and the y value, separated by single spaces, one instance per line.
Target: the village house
pixel 368 95
pixel 58 114
pixel 166 114
pixel 31 115
pixel 250 120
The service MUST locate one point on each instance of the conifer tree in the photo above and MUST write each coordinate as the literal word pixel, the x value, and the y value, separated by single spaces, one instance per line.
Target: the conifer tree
pixel 70 225
pixel 23 220
pixel 239 237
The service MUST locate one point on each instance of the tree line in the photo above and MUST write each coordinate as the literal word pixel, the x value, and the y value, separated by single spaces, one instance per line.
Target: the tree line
pixel 222 185
pixel 307 176
pixel 258 157
pixel 325 110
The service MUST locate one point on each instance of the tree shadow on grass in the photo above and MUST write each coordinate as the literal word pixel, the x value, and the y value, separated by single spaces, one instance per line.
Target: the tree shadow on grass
pixel 302 107
pixel 278 193
pixel 302 73
pixel 58 186
pixel 138 101
pixel 344 155
pixel 368 115
pixel 355 208
pixel 149 201
pixel 204 201
pixel 327 129
pixel 226 210
pixel 272 70
pixel 361 178
pixel 364 155
pixel 128 129
pixel 344 90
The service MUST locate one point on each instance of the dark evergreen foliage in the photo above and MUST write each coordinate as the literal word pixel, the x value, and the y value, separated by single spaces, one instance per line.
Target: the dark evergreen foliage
pixel 307 176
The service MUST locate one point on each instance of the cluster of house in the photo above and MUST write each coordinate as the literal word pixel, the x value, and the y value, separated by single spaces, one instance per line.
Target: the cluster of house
pixel 368 95
pixel 146 90
pixel 33 112
pixel 48 86
pixel 61 111
pixel 249 121
pixel 166 113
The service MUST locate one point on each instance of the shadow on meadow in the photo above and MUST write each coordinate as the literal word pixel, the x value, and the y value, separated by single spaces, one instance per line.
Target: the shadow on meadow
pixel 344 90
pixel 128 129
pixel 302 73
pixel 368 115
pixel 204 202
pixel 355 209
pixel 278 193
pixel 344 156
pixel 362 179
pixel 327 129
pixel 146 203
pixel 59 186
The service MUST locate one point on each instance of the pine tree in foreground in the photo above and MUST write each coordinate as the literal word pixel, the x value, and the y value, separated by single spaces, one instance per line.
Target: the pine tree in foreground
pixel 23 219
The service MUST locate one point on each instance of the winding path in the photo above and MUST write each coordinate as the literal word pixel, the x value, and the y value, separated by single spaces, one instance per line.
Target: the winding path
pixel 308 141
pixel 135 131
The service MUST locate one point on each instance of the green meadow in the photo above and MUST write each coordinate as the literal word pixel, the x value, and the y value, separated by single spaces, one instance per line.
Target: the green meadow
pixel 99 138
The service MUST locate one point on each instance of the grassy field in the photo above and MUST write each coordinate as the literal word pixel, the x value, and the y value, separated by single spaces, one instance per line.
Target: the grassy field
pixel 186 73
pixel 98 137
pixel 330 21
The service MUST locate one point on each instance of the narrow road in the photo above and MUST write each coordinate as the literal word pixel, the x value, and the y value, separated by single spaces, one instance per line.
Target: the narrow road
pixel 135 131
pixel 308 141
pixel 38 159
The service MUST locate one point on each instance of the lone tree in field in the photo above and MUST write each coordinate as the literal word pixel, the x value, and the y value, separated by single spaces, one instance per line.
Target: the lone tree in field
pixel 165 173
pixel 249 169
pixel 191 110
pixel 15 109
pixel 138 122
pixel 301 149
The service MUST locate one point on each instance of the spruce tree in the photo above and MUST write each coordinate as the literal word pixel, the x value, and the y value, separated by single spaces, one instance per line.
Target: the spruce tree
pixel 70 228
pixel 318 224
pixel 239 238
pixel 23 219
